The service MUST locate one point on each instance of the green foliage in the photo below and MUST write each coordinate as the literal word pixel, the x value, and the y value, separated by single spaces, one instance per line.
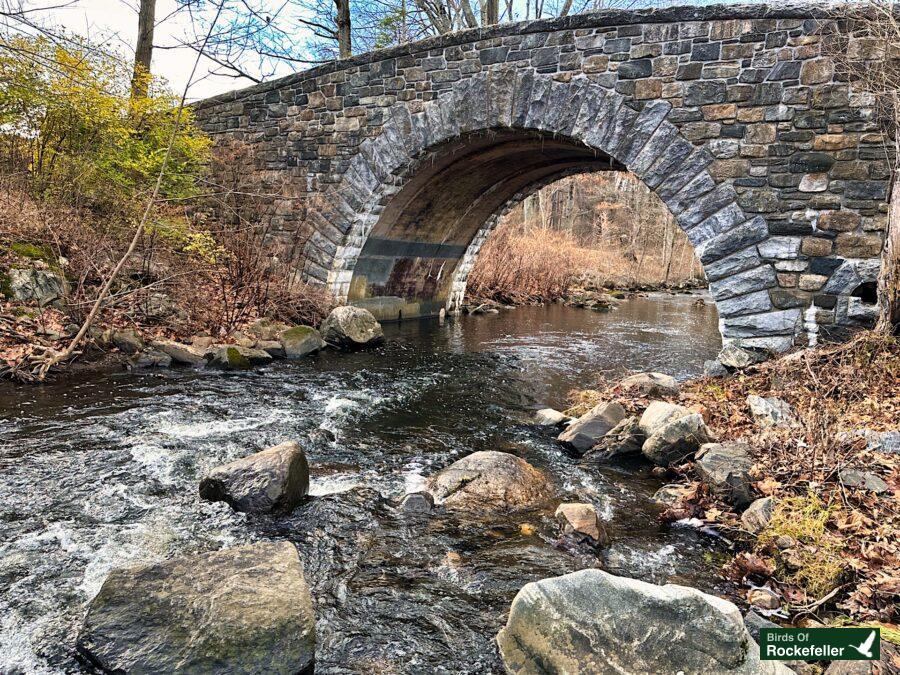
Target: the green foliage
pixel 68 123
pixel 181 236
pixel 32 251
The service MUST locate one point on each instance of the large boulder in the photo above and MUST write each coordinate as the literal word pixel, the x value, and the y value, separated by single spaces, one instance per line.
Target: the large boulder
pixel 489 480
pixel 658 414
pixel 241 610
pixel 676 441
pixel 587 430
pixel 300 341
pixel 725 467
pixel 34 285
pixel 127 340
pixel 593 622
pixel 276 479
pixel 351 327
pixel 626 438
pixel 650 384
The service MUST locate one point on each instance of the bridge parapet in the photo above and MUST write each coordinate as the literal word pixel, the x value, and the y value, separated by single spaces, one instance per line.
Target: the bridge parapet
pixel 395 164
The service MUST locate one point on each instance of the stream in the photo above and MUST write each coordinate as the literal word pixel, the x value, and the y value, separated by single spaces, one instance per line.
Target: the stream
pixel 101 471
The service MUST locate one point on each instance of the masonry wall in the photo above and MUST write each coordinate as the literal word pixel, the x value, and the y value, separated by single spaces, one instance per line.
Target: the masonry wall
pixel 758 101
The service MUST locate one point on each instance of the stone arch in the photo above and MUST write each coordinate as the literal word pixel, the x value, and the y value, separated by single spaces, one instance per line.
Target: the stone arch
pixel 634 136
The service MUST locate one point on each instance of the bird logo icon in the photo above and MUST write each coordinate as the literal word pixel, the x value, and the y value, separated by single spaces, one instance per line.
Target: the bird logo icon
pixel 865 648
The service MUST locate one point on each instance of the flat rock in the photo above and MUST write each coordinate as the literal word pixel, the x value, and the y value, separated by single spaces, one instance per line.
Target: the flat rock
pixel 673 496
pixel 771 411
pixel 739 358
pixel 180 353
pixel 235 357
pixel 676 441
pixel 300 341
pixel 150 358
pixel 725 467
pixel 128 340
pixel 241 610
pixel 273 348
pixel 626 438
pixel 276 479
pixel 863 480
pixel 582 519
pixel 548 417
pixel 658 414
pixel 650 384
pixel 593 622
pixel 758 514
pixel 496 481
pixel 585 432
pixel 351 327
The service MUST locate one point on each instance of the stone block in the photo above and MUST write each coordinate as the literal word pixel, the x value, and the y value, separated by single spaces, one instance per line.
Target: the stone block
pixel 839 221
pixel 858 245
pixel 815 246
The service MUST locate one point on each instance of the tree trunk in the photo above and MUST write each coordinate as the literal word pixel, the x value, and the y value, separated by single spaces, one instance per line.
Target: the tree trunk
pixel 889 280
pixel 492 12
pixel 143 52
pixel 345 47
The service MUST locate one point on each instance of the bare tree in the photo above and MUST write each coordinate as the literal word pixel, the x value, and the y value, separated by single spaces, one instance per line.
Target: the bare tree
pixel 143 51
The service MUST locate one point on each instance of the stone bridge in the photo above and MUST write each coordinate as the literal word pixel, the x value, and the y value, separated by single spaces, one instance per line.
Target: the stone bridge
pixel 392 167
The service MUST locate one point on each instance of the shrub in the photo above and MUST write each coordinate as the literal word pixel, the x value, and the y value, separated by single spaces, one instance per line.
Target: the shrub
pixel 71 132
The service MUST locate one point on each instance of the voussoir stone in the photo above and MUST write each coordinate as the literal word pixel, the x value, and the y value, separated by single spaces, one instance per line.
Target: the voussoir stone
pixel 351 327
pixel 275 479
pixel 593 622
pixel 585 432
pixel 243 610
pixel 492 481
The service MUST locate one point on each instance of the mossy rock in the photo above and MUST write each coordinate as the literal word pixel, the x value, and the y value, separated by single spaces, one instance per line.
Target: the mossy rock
pixel 300 341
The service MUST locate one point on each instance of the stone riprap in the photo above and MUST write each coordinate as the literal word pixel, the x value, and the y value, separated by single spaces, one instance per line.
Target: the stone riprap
pixel 393 166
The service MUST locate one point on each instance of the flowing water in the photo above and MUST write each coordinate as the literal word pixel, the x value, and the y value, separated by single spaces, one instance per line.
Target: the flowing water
pixel 102 471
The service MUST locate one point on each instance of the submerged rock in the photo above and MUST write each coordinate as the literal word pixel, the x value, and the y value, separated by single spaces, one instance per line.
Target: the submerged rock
pixel 725 467
pixel 300 341
pixel 490 480
pixel 548 417
pixel 771 412
pixel 241 610
pixel 276 479
pixel 650 384
pixel 235 357
pixel 587 430
pixel 676 441
pixel 351 327
pixel 623 439
pixel 417 502
pixel 593 622
pixel 581 519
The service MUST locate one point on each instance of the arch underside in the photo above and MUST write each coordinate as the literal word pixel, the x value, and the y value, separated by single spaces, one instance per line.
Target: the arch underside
pixel 412 255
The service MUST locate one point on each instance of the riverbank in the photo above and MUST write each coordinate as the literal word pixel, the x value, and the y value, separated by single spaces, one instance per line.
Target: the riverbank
pixel 802 474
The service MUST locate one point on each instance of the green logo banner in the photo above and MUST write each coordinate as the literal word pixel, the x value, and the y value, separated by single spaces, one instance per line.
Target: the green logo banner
pixel 820 644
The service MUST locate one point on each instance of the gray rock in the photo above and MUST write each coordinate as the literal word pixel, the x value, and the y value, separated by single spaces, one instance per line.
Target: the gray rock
pixel 593 622
pixel 755 623
pixel 714 368
pixel 758 514
pixel 266 329
pixel 276 479
pixel 674 495
pixel 34 285
pixel 739 358
pixel 585 432
pixel 235 357
pixel 127 341
pixel 489 480
pixel 273 348
pixel 658 414
pixel 771 411
pixel 351 327
pixel 300 341
pixel 241 610
pixel 180 353
pixel 725 467
pixel 417 502
pixel 863 480
pixel 676 441
pixel 626 438
pixel 650 384
pixel 548 417
pixel 150 359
